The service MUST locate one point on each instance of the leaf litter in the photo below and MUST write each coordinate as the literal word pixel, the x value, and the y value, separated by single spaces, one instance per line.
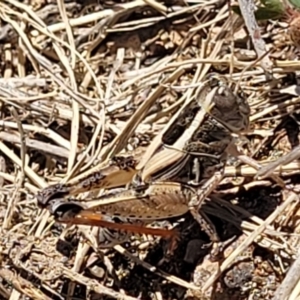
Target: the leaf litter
pixel 84 81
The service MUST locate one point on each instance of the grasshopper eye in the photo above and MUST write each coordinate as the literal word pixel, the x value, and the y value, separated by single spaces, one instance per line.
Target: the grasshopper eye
pixel 244 107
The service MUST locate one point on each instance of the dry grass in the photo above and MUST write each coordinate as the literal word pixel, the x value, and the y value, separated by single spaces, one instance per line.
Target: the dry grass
pixel 84 81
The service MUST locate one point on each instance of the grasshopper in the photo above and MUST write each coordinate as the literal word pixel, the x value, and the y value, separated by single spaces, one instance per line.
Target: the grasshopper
pixel 182 168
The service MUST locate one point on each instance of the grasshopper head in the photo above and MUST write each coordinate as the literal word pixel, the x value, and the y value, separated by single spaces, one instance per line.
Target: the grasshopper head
pixel 228 108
